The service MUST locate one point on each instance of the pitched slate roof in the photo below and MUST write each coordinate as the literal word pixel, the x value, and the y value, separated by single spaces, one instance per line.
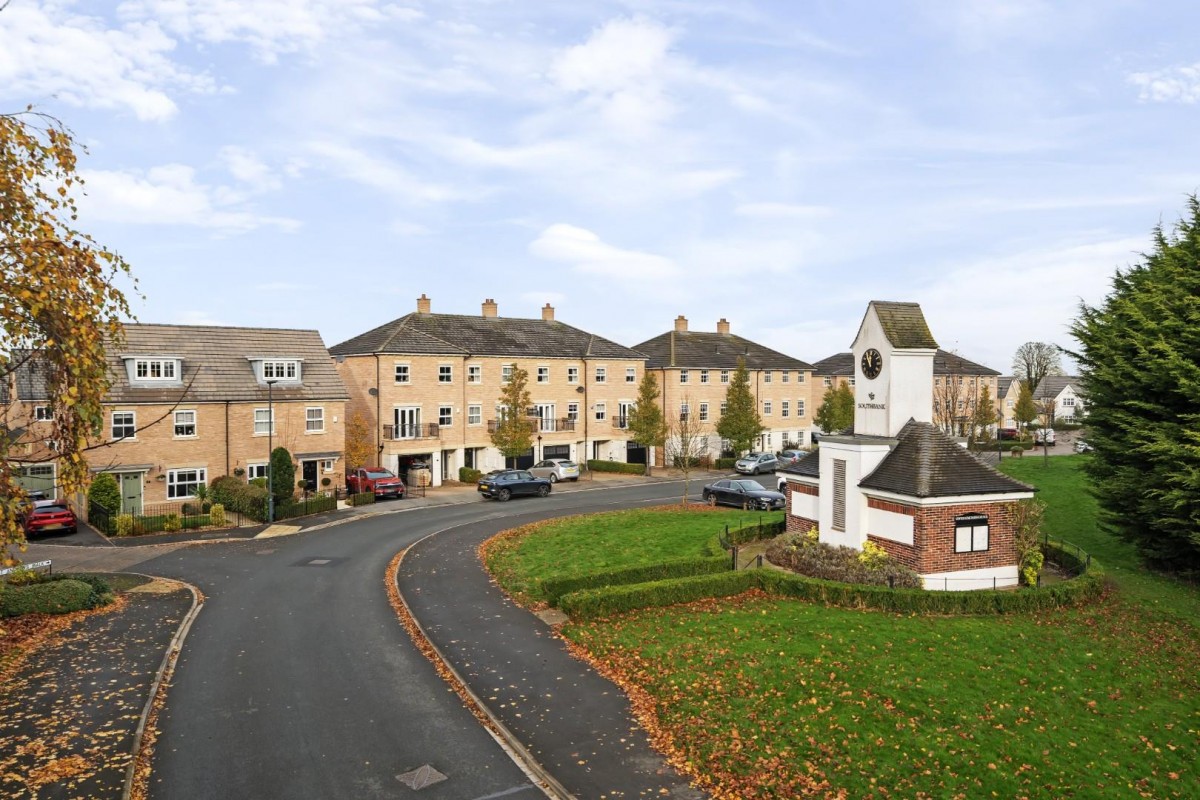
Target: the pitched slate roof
pixel 809 466
pixel 708 350
pixel 462 335
pixel 1003 383
pixel 903 324
pixel 944 363
pixel 1051 386
pixel 29 378
pixel 927 463
pixel 216 364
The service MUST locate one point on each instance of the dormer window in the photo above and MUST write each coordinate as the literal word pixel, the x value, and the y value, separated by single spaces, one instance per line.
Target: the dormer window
pixel 155 369
pixel 281 370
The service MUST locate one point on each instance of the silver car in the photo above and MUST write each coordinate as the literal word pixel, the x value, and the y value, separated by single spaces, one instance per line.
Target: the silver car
pixel 556 469
pixel 754 463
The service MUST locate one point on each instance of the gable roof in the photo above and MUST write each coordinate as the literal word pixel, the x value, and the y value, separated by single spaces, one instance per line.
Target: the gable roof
pixel 927 463
pixel 904 325
pixel 216 365
pixel 463 335
pixel 710 350
pixel 1004 383
pixel 944 363
pixel 1052 386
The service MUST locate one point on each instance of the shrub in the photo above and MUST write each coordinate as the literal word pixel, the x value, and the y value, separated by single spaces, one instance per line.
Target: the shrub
pixel 595 603
pixel 803 555
pixel 617 466
pixel 171 523
pixel 283 475
pixel 468 475
pixel 313 505
pixel 555 588
pixel 217 515
pixel 361 499
pixel 196 509
pixel 125 524
pixel 104 492
pixel 24 577
pixel 244 498
pixel 50 597
pixel 259 482
pixel 726 463
pixel 873 557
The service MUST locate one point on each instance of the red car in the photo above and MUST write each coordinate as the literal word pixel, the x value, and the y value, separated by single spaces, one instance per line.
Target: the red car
pixel 49 515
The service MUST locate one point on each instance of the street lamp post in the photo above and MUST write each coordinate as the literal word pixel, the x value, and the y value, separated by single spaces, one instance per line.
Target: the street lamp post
pixel 539 447
pixel 270 453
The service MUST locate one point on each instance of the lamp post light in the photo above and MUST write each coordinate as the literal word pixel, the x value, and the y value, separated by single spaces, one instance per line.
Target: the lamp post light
pixel 270 452
pixel 539 457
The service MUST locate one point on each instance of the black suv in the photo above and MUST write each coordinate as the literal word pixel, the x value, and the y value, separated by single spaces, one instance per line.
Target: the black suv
pixel 511 482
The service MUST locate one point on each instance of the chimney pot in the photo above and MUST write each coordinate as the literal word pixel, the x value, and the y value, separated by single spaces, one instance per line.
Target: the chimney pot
pixel 723 325
pixel 548 313
pixel 422 304
pixel 680 323
pixel 489 308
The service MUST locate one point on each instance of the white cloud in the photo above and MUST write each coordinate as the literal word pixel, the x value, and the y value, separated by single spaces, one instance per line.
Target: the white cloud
pixel 49 51
pixel 170 195
pixel 781 211
pixel 1176 85
pixel 270 27
pixel 378 172
pixel 588 255
pixel 246 167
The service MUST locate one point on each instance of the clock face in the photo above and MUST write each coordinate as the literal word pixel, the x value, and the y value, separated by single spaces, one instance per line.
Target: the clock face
pixel 872 363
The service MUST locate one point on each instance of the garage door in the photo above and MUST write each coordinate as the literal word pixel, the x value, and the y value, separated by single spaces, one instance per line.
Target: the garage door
pixel 36 478
pixel 556 451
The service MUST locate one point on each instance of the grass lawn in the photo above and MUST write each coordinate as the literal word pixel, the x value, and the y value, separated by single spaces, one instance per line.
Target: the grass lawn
pixel 597 542
pixel 763 697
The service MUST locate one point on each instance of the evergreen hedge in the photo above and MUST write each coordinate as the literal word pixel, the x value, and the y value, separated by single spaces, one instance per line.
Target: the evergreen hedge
pixel 361 499
pixel 298 508
pixel 617 466
pixel 61 595
pixel 468 475
pixel 555 588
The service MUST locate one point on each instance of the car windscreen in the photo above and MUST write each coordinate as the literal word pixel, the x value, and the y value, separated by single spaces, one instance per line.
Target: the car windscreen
pixel 382 473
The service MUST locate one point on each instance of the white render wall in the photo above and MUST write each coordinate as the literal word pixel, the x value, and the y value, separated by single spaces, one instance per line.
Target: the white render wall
pixel 971 579
pixel 861 459
pixel 890 525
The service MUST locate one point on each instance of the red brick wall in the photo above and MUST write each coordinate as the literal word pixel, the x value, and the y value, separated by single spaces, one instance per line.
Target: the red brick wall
pixel 933 537
pixel 908 555
pixel 799 524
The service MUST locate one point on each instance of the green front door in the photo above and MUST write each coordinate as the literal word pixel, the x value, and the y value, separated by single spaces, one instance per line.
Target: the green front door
pixel 131 493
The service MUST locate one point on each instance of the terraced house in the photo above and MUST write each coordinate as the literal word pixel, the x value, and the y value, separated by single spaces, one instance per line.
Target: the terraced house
pixel 429 387
pixel 188 404
pixel 694 370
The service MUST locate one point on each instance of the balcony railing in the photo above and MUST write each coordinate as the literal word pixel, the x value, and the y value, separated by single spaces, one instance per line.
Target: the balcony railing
pixel 542 424
pixel 428 430
pixel 620 422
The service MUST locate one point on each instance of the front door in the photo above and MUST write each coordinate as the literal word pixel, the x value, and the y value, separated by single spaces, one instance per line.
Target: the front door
pixel 131 492
pixel 310 475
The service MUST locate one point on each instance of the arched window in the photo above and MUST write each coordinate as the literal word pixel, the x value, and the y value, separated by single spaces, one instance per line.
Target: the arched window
pixel 970 533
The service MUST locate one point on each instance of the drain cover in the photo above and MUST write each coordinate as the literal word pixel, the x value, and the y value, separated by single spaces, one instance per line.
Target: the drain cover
pixel 319 561
pixel 421 777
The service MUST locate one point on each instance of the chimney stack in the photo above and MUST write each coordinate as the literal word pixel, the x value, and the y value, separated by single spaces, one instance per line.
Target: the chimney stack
pixel 490 309
pixel 723 326
pixel 422 304
pixel 680 323
pixel 548 313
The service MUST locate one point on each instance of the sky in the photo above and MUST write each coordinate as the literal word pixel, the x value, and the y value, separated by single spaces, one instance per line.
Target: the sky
pixel 321 164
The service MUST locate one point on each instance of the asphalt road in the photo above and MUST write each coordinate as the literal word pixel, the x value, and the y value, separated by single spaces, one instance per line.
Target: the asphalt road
pixel 297 681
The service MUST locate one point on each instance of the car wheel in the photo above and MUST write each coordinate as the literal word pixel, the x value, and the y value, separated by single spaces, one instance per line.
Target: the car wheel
pixel 553 478
pixel 503 495
pixel 709 498
pixel 747 505
pixel 543 490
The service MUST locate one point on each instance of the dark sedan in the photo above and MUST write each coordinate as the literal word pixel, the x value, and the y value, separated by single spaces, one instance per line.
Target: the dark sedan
pixel 743 494
pixel 512 482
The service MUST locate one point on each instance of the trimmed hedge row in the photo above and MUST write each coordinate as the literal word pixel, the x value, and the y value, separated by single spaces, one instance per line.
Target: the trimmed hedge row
pixel 361 499
pixel 245 498
pixel 57 594
pixel 595 603
pixel 617 466
pixel 725 463
pixel 556 588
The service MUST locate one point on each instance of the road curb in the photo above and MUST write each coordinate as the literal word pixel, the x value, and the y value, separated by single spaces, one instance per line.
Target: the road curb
pixel 133 784
pixel 499 731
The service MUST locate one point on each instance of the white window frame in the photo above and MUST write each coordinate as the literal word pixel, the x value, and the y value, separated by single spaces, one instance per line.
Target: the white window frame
pixel 704 412
pixel 601 412
pixel 631 374
pixel 475 414
pixel 704 376
pixel 543 374
pixel 799 376
pixel 310 418
pixel 506 373
pixel 403 373
pixel 143 369
pixel 131 425
pixel 799 408
pixel 474 373
pixel 724 408
pixel 573 411
pixel 447 413
pixel 766 376
pixel 724 376
pixel 264 418
pixel 767 408
pixel 180 417
pixel 281 369
pixel 970 531
pixel 260 468
pixel 684 411
pixel 328 465
pixel 787 376
pixel 42 414
pixel 684 376
pixel 601 375
pixel 572 374
pixel 445 373
pixel 785 409
pixel 174 486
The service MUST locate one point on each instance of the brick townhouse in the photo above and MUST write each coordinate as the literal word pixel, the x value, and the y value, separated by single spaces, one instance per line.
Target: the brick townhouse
pixel 190 403
pixel 899 480
pixel 694 369
pixel 429 385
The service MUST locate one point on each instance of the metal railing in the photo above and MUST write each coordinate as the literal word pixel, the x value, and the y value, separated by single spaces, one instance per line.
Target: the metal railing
pixel 426 430
pixel 620 422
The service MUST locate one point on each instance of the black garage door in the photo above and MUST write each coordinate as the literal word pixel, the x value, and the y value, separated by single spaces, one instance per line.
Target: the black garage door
pixel 556 451
pixel 635 453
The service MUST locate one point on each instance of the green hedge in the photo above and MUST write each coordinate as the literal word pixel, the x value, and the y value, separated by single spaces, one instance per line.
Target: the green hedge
pixel 468 475
pixel 594 603
pixel 245 498
pixel 59 596
pixel 361 499
pixel 555 588
pixel 299 508
pixel 726 463
pixel 616 466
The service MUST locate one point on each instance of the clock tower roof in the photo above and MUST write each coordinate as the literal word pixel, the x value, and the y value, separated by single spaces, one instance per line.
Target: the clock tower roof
pixel 903 325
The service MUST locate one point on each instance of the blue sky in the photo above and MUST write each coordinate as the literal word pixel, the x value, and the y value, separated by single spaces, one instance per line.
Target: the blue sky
pixel 322 163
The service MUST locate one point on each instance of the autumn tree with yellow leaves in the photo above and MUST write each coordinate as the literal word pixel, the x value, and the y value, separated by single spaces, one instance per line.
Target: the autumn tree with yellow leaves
pixel 60 307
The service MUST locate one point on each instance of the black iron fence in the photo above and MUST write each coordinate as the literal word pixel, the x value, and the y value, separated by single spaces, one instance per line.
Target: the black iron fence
pixel 425 430
pixel 167 517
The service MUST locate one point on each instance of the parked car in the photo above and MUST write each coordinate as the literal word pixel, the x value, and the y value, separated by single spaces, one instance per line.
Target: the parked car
pixel 513 482
pixel 556 469
pixel 49 515
pixel 754 463
pixel 375 479
pixel 1083 446
pixel 1009 434
pixel 743 494
pixel 1044 436
pixel 786 457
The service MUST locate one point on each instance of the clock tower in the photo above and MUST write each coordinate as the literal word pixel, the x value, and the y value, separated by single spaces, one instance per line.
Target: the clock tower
pixel 893 369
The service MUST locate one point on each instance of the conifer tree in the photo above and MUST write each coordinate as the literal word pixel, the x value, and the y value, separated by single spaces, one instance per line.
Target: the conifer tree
pixel 740 425
pixel 646 424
